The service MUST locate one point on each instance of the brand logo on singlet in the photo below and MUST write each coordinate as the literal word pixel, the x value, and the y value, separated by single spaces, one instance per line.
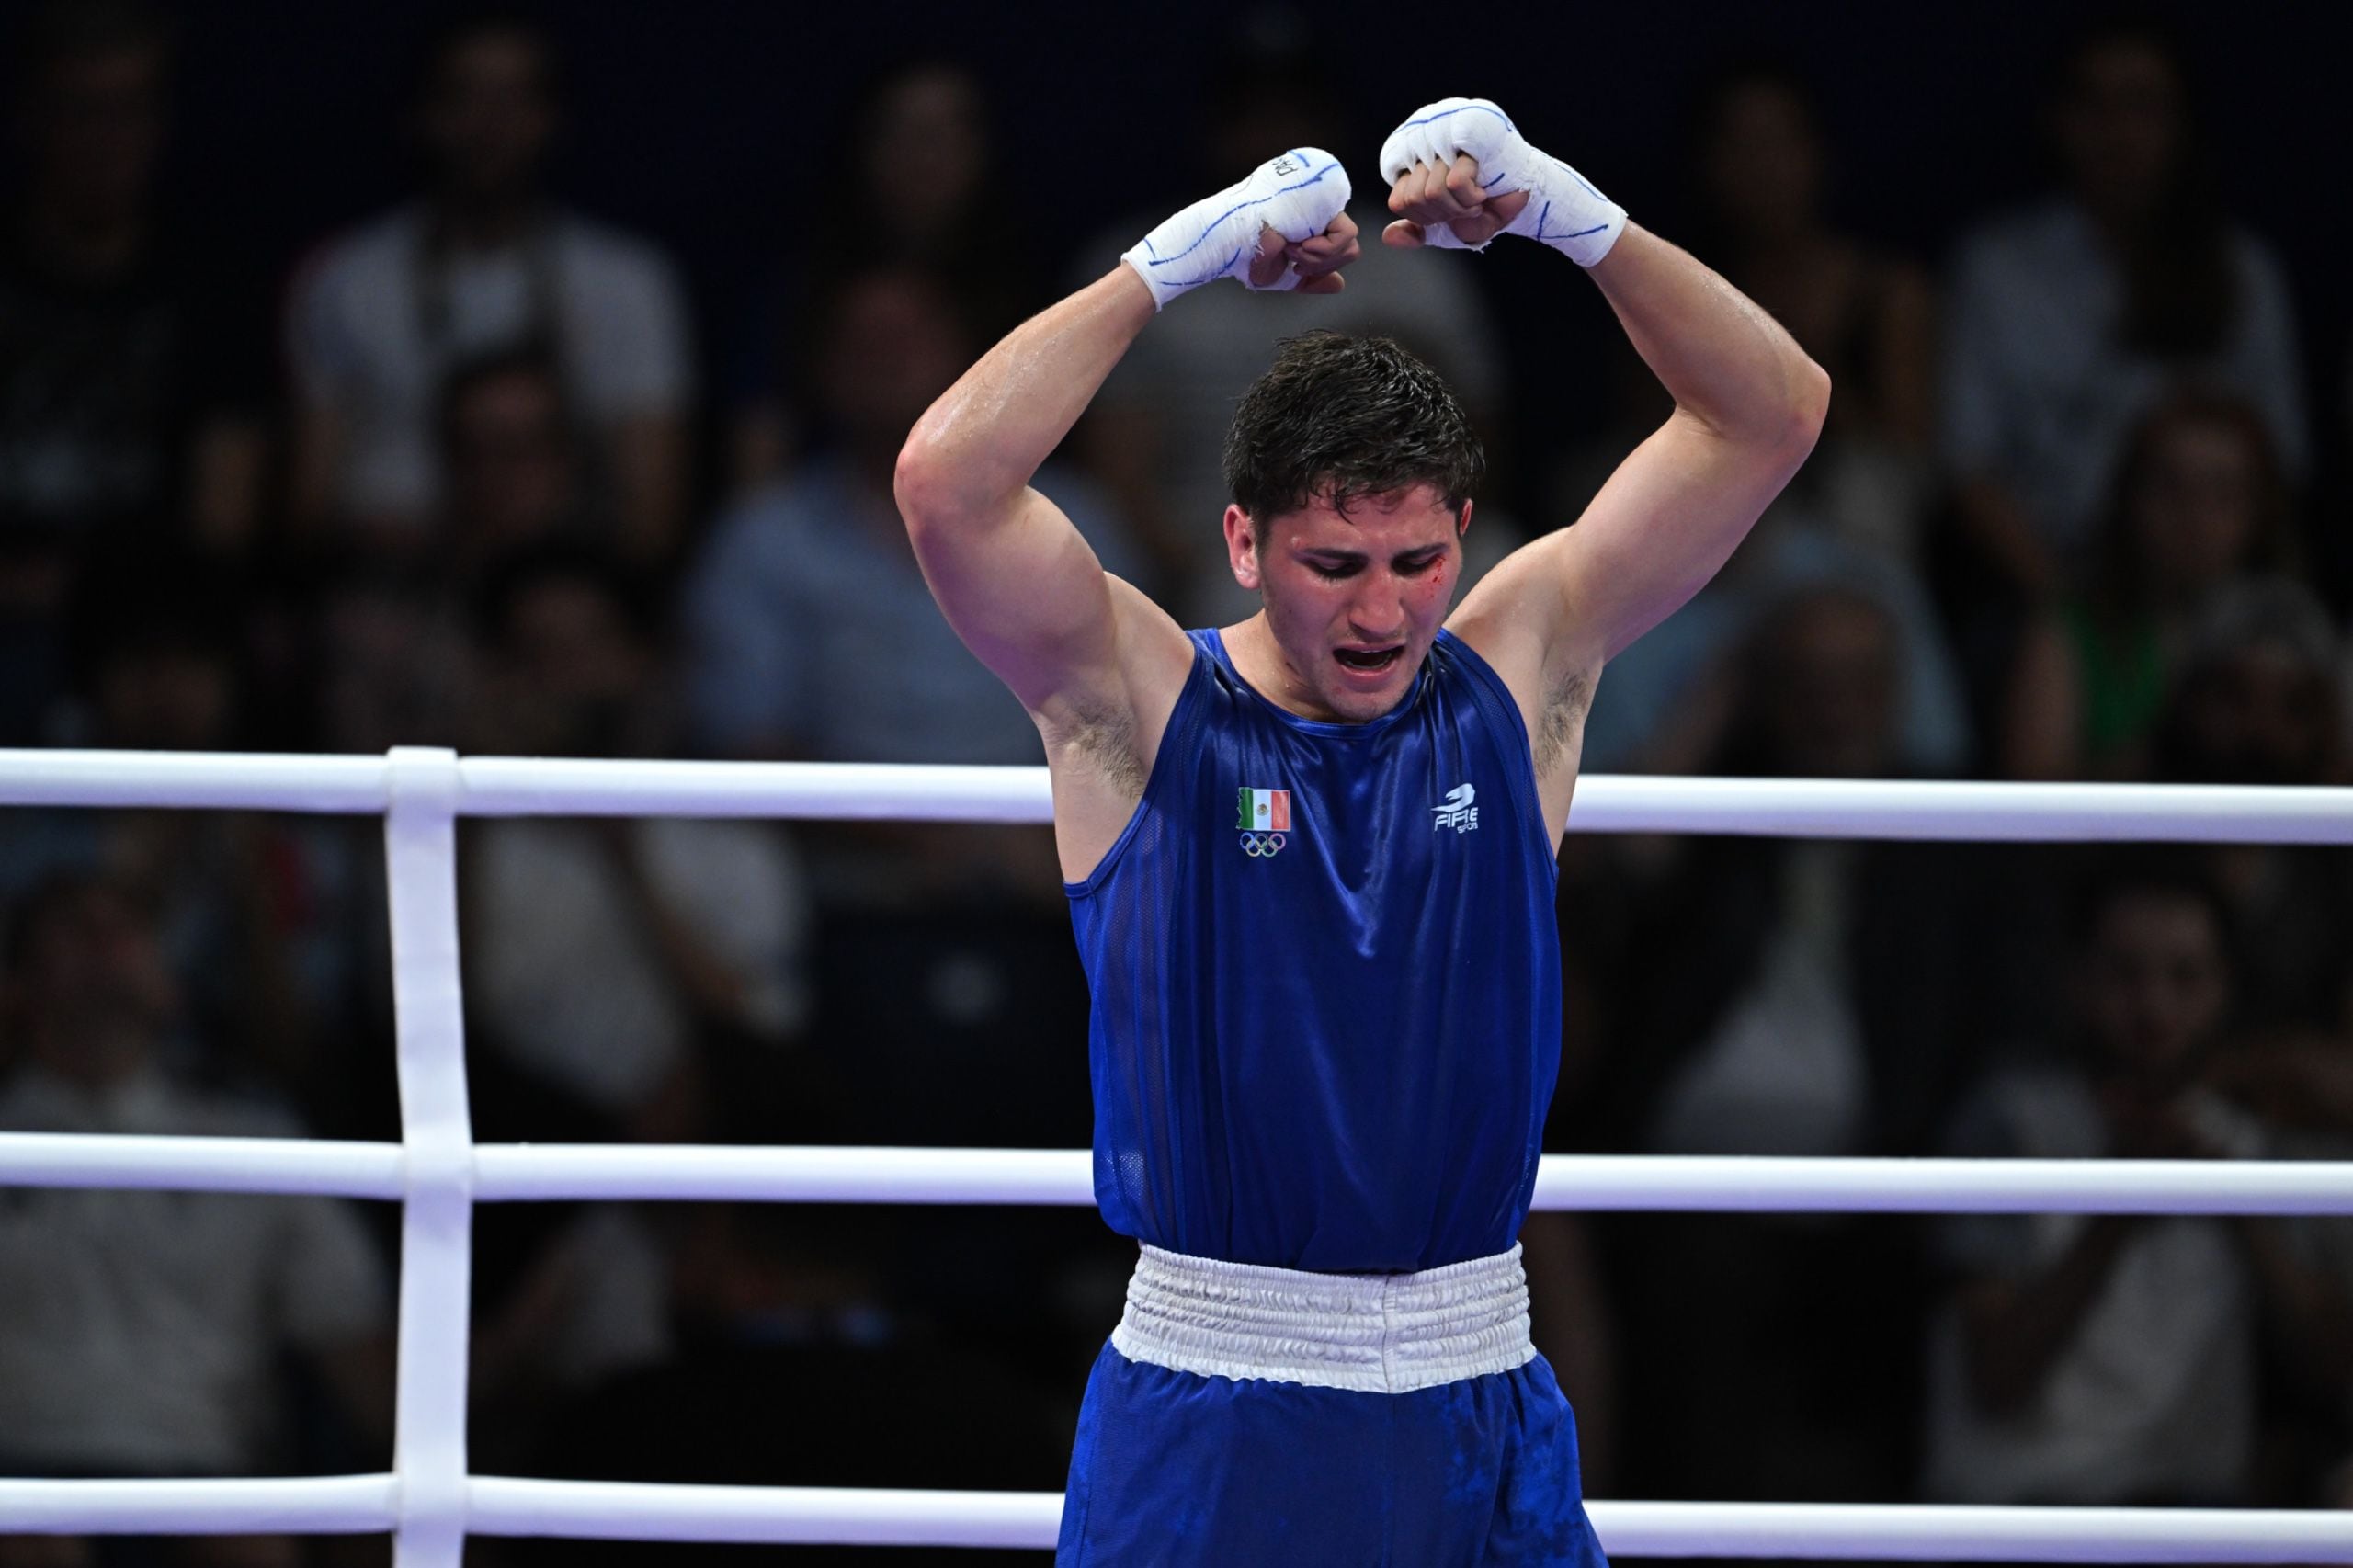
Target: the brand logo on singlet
pixel 1456 811
pixel 1265 821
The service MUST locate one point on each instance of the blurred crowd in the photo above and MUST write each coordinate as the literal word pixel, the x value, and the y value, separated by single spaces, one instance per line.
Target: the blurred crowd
pixel 458 476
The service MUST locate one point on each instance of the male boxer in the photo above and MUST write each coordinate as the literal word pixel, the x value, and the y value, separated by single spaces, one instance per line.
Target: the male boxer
pixel 1311 857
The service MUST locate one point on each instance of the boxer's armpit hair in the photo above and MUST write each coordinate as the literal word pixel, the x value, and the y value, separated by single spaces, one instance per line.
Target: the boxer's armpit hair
pixel 1561 719
pixel 1103 736
pixel 1340 418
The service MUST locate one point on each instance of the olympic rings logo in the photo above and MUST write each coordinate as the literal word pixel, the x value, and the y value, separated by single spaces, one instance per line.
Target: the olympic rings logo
pixel 1262 845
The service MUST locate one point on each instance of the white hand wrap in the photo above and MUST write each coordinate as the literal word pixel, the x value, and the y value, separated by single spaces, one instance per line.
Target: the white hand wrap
pixel 1564 210
pixel 1297 195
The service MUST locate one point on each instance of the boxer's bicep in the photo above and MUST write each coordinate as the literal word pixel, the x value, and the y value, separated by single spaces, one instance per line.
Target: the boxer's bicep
pixel 1025 592
pixel 1666 523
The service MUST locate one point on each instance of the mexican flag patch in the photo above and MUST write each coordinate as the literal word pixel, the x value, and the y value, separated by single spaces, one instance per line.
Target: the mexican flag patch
pixel 1265 810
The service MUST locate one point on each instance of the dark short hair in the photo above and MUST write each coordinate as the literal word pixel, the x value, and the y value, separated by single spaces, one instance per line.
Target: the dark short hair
pixel 1340 418
pixel 514 578
pixel 2120 589
pixel 2156 874
pixel 458 26
pixel 68 32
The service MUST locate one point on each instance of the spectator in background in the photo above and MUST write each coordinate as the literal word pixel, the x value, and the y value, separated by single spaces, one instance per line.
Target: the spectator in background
pixel 796 1359
pixel 379 319
pixel 393 659
pixel 1851 519
pixel 606 958
pixel 2110 1358
pixel 922 193
pixel 2299 1081
pixel 1664 707
pixel 2069 320
pixel 510 461
pixel 2197 500
pixel 1155 434
pixel 1799 998
pixel 2330 538
pixel 1864 316
pixel 809 627
pixel 141 1333
pixel 2259 695
pixel 625 978
pixel 129 385
pixel 249 909
pixel 233 900
pixel 1822 1011
pixel 2260 698
pixel 944 948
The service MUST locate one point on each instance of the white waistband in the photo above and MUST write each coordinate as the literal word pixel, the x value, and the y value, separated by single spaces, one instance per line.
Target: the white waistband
pixel 1373 1332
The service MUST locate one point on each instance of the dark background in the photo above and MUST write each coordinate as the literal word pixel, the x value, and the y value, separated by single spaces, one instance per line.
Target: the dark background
pixel 706 124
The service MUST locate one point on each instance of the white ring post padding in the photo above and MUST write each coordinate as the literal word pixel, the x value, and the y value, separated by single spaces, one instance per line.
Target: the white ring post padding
pixel 437 1136
pixel 309 1505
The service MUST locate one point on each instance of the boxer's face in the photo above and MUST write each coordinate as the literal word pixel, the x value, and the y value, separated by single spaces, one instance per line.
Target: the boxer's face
pixel 1353 599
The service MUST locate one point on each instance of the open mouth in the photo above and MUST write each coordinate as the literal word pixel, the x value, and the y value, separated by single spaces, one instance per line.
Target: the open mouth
pixel 1369 660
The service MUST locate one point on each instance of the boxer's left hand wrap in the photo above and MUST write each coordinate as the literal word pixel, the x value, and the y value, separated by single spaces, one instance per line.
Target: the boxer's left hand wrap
pixel 1297 195
pixel 1563 210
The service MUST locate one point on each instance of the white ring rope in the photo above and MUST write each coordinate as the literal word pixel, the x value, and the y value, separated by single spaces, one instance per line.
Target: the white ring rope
pixel 431 1502
pixel 1788 807
pixel 1595 1183
pixel 611 1510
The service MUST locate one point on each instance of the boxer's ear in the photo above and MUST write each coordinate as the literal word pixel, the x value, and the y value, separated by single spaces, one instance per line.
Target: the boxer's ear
pixel 1241 547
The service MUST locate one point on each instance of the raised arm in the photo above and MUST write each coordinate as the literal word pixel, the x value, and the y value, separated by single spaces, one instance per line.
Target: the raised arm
pixel 1748 405
pixel 1099 666
pixel 1012 576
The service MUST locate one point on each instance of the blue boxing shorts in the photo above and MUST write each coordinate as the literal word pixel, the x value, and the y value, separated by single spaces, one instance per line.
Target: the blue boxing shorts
pixel 1244 1414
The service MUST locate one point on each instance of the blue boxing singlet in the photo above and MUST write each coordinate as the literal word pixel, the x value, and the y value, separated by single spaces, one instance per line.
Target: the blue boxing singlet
pixel 1326 973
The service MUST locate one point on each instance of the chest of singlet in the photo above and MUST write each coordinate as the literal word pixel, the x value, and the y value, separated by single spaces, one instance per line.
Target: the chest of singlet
pixel 1325 977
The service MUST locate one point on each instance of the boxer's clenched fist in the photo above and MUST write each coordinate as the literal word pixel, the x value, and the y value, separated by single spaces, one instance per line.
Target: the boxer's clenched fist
pixel 1284 227
pixel 1460 173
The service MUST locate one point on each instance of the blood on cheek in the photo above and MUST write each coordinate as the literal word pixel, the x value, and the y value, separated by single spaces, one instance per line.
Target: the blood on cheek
pixel 1425 593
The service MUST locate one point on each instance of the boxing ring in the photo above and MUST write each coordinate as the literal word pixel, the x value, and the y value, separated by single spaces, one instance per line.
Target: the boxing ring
pixel 430 1501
